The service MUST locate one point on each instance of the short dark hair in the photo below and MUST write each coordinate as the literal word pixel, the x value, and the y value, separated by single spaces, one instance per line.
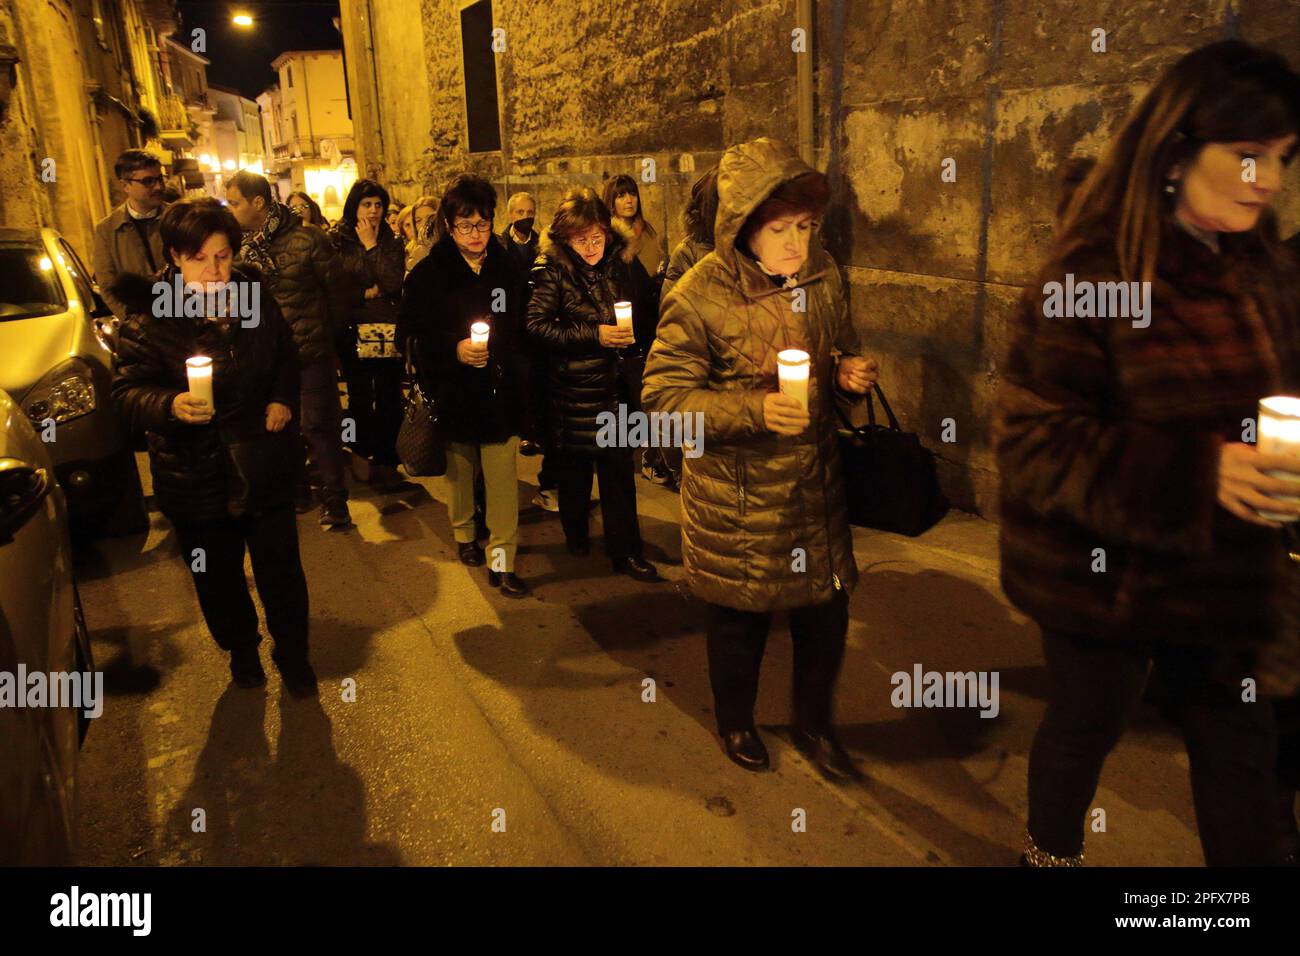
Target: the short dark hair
pixel 467 194
pixel 133 160
pixel 364 189
pixel 186 225
pixel 580 210
pixel 804 195
pixel 251 185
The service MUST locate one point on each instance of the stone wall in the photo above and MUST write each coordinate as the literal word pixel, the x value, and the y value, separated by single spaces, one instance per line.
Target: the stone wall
pixel 1008 89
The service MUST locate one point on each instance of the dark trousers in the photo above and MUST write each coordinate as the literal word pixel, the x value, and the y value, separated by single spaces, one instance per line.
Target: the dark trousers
pixel 322 417
pixel 736 641
pixel 613 467
pixel 375 404
pixel 271 539
pixel 1093 689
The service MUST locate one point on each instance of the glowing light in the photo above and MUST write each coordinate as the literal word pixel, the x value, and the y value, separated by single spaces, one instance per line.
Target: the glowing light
pixel 242 20
pixel 46 264
pixel 228 164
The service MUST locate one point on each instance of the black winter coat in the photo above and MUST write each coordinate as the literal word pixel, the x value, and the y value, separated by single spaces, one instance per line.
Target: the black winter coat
pixel 442 297
pixel 252 367
pixel 583 378
pixel 308 287
pixel 361 268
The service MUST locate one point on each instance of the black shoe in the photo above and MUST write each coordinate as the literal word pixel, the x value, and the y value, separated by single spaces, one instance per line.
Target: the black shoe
pixel 637 568
pixel 334 514
pixel 509 583
pixel 246 667
pixel 579 548
pixel 297 676
pixel 826 754
pixel 470 553
pixel 529 448
pixel 746 748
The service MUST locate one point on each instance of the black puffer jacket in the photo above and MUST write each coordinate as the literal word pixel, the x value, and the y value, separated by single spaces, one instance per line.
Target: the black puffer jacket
pixel 360 268
pixel 307 286
pixel 252 367
pixel 442 297
pixel 583 378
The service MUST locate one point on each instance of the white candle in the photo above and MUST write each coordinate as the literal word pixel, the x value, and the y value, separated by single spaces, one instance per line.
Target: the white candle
pixel 792 370
pixel 478 334
pixel 199 372
pixel 623 315
pixel 1279 434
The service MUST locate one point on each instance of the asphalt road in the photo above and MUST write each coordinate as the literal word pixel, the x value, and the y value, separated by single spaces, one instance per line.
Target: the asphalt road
pixel 492 731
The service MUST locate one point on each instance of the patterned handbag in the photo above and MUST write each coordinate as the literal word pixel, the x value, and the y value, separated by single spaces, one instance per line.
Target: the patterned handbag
pixel 421 446
pixel 377 340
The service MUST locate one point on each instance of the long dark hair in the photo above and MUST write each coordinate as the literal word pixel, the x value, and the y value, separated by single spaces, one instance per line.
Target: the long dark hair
pixel 364 189
pixel 1222 93
pixel 317 217
pixel 621 185
pixel 703 208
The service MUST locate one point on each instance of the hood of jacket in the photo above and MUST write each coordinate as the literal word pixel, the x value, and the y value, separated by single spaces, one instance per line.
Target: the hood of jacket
pixel 747 175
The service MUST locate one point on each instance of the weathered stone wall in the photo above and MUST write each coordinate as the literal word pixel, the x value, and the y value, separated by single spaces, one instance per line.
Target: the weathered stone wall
pixel 1008 89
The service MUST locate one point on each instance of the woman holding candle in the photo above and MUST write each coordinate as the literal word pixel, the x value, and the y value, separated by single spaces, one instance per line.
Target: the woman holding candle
pixel 764 522
pixel 463 304
pixel 579 275
pixel 216 398
pixel 373 261
pixel 1133 498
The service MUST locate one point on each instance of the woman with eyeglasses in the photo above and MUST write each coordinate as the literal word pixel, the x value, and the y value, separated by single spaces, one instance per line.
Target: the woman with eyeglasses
pixel 579 274
pixel 306 209
pixel 468 277
pixel 372 261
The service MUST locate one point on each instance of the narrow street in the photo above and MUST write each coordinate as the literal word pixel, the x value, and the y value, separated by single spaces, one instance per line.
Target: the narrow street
pixel 467 704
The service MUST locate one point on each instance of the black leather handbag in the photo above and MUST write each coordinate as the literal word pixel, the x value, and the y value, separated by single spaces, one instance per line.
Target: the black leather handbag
pixel 890 476
pixel 420 442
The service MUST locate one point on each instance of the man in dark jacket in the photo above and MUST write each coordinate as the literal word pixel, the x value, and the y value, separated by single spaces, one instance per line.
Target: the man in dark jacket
pixel 299 264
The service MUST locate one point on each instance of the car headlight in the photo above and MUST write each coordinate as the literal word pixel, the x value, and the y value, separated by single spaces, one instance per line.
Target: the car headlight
pixel 66 392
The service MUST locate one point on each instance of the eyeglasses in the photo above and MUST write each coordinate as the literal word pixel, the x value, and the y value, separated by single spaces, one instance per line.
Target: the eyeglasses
pixel 595 242
pixel 465 228
pixel 148 181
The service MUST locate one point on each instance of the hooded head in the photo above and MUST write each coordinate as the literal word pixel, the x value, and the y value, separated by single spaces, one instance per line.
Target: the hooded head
pixel 748 175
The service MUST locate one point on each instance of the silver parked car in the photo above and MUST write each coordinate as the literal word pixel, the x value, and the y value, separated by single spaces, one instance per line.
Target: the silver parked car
pixel 56 361
pixel 41 630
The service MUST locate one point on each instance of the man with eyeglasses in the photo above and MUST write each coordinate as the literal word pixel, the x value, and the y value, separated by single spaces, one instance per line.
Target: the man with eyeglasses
pixel 127 239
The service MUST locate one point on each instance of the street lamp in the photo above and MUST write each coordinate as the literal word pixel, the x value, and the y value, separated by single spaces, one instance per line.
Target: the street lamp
pixel 242 20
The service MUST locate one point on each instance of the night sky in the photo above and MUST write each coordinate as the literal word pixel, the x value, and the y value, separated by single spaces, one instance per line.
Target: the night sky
pixel 241 56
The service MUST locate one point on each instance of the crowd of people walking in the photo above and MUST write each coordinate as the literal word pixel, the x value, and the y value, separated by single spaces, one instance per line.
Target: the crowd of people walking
pixel 1110 435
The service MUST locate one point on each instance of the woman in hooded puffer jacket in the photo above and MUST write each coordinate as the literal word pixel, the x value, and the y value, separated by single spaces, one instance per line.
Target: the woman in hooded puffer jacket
pixel 764 517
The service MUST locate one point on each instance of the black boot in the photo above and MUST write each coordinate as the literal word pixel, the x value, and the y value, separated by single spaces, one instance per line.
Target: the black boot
pixel 246 667
pixel 746 748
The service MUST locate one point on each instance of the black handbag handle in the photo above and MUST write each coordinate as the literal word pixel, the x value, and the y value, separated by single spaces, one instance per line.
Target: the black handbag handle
pixel 871 413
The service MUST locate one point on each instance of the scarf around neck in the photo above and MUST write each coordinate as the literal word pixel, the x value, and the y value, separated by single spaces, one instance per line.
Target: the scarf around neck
pixel 255 249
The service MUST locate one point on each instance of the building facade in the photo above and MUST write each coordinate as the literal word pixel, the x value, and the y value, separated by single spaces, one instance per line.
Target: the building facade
pixel 942 125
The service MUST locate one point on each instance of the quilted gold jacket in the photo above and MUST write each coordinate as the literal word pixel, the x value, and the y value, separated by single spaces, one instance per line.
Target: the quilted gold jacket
pixel 764 522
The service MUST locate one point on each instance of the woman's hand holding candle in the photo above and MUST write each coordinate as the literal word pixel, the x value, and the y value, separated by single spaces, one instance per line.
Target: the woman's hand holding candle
pixel 615 336
pixel 857 374
pixel 1245 490
pixel 192 409
pixel 784 414
pixel 473 353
